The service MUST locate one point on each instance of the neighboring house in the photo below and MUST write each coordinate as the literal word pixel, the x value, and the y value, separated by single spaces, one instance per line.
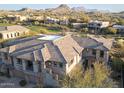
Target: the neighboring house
pixel 120 28
pixel 95 48
pixel 51 20
pixel 78 25
pixel 64 22
pixel 14 18
pixel 21 18
pixel 8 32
pixel 96 26
pixel 37 57
pixel 11 18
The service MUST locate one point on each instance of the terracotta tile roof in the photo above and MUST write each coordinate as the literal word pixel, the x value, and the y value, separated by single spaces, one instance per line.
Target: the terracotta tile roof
pixel 94 42
pixel 60 50
pixel 14 28
pixel 68 47
pixel 106 42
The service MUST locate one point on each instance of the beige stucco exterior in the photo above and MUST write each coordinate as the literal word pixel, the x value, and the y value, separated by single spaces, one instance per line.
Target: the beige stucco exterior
pixel 13 32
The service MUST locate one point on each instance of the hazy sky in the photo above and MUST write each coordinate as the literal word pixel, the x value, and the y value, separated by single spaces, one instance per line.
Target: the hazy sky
pixel 110 7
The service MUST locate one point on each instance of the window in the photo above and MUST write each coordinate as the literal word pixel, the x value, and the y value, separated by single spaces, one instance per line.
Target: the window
pixel 19 61
pixel 1 36
pixel 29 65
pixel 55 64
pixel 15 34
pixel 101 53
pixel 11 35
pixel 94 52
pixel 5 56
pixel 61 65
pixel 11 58
pixel 7 36
pixel 18 34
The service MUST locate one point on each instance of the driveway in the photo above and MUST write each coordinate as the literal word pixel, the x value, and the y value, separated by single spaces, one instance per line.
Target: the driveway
pixel 12 82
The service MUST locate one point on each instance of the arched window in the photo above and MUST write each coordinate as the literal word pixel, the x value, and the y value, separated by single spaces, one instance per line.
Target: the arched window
pixel 15 34
pixel 18 34
pixel 11 35
pixel 7 36
pixel 1 36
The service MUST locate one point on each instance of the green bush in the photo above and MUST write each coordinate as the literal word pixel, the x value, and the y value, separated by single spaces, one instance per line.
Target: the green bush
pixel 23 83
pixel 2 74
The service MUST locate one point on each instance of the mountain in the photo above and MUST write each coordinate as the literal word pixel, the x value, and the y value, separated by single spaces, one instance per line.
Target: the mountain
pixel 62 9
pixel 92 10
pixel 78 9
pixel 26 10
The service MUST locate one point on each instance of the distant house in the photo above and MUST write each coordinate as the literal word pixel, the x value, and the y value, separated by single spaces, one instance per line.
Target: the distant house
pixel 64 22
pixel 47 56
pixel 14 18
pixel 78 25
pixel 120 28
pixel 21 18
pixel 8 32
pixel 11 18
pixel 51 20
pixel 96 26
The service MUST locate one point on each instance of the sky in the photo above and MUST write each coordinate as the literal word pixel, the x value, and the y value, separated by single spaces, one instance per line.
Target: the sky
pixel 110 7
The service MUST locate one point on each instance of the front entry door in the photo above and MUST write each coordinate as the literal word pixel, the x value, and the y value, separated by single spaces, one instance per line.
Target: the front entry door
pixel 8 72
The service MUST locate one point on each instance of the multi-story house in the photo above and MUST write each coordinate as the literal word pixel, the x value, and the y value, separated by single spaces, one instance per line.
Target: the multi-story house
pixel 46 56
pixel 78 25
pixel 95 26
pixel 16 18
pixel 8 32
pixel 119 28
pixel 49 20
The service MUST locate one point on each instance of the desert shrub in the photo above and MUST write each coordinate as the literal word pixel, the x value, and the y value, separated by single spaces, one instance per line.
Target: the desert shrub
pixel 23 83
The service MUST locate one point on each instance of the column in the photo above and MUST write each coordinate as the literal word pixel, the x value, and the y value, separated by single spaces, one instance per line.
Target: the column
pixel 24 65
pixel 35 67
pixel 14 62
pixel 97 54
pixel 106 56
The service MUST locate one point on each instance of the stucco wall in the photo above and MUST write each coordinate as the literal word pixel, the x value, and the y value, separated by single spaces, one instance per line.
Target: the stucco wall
pixel 76 60
pixel 13 34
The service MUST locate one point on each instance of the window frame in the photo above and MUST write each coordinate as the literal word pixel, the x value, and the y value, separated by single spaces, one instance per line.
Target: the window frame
pixel 61 65
pixel 19 61
pixel 102 53
pixel 94 52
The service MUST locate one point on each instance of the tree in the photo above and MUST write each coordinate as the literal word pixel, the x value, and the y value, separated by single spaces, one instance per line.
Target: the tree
pixel 115 20
pixel 121 21
pixel 85 18
pixel 109 30
pixel 78 79
pixel 72 20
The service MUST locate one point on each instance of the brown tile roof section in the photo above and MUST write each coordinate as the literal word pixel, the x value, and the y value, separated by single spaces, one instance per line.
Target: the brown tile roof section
pixel 51 53
pixel 15 28
pixel 68 47
pixel 60 50
pixel 106 42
